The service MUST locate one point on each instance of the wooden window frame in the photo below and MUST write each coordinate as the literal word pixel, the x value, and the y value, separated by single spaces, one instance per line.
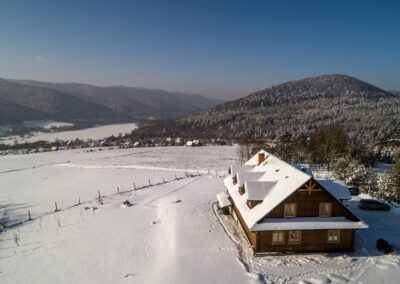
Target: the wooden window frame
pixel 291 241
pixel 278 242
pixel 330 209
pixel 337 233
pixel 252 203
pixel 295 210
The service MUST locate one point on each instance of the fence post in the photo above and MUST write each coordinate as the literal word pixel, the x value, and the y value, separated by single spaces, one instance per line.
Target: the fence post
pixel 134 186
pixel 149 182
pixel 55 203
pixel 29 215
pixel 79 200
pixel 99 194
pixel 118 189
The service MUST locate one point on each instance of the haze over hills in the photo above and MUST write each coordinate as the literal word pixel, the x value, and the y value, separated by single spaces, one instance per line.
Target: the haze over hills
pixel 296 107
pixel 85 105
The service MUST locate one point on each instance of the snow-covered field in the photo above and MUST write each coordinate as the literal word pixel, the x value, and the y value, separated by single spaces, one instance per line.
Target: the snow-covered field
pixel 92 133
pixel 171 233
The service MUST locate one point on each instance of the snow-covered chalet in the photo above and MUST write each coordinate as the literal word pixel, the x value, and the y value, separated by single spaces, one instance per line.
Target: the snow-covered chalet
pixel 282 208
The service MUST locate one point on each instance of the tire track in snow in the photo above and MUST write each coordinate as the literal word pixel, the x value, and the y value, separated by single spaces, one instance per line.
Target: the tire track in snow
pixel 32 167
pixel 149 205
pixel 135 167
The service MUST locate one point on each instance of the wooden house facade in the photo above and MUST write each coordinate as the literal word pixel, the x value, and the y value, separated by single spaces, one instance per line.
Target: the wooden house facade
pixel 282 208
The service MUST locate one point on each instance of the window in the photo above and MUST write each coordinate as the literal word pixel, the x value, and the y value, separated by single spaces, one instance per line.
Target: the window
pixel 252 203
pixel 325 209
pixel 278 238
pixel 290 210
pixel 333 236
pixel 294 237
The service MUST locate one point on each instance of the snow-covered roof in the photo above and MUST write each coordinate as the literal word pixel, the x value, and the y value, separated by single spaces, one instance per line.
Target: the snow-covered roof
pixel 304 167
pixel 240 168
pixel 308 223
pixel 286 177
pixel 244 176
pixel 336 187
pixel 270 182
pixel 254 160
pixel 223 199
pixel 257 190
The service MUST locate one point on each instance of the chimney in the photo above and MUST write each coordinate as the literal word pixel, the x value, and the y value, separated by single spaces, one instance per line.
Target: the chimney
pixel 261 158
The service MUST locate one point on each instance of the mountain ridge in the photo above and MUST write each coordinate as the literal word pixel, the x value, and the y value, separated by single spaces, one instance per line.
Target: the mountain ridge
pixel 86 104
pixel 297 107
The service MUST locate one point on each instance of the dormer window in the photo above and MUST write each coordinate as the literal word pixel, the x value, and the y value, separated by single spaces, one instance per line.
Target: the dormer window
pixel 290 210
pixel 252 203
pixel 241 190
pixel 234 179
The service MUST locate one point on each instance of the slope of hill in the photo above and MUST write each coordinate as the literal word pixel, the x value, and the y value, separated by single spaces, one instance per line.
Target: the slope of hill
pixel 34 103
pixel 297 107
pixel 86 105
pixel 135 102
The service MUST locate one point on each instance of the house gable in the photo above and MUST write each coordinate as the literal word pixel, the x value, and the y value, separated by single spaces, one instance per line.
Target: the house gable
pixel 308 197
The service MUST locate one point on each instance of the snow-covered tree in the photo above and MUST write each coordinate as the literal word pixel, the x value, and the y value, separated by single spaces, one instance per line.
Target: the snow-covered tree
pixel 389 185
pixel 355 173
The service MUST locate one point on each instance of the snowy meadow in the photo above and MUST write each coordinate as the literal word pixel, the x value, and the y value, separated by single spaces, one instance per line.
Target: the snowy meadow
pixel 169 231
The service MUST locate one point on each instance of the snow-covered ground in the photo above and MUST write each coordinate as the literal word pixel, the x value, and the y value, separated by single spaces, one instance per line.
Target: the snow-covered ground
pixel 92 133
pixel 172 232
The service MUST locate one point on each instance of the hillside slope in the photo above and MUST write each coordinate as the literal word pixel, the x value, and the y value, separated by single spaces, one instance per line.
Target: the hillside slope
pixel 136 103
pixel 23 103
pixel 298 107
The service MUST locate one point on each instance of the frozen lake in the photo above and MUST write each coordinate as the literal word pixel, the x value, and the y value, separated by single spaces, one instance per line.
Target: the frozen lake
pixel 88 133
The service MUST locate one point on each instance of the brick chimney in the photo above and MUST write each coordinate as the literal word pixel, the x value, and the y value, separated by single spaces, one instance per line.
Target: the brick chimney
pixel 261 158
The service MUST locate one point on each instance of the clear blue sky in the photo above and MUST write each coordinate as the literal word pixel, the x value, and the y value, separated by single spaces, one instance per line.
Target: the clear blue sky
pixel 217 48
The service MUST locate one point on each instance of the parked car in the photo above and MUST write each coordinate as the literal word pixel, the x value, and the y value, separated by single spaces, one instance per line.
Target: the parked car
pixel 372 204
pixel 354 190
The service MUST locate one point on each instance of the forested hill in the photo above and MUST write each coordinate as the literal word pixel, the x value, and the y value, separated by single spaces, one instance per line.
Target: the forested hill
pixel 88 104
pixel 297 107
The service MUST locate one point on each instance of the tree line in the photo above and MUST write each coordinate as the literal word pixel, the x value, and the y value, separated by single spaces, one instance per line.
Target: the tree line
pixel 349 159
